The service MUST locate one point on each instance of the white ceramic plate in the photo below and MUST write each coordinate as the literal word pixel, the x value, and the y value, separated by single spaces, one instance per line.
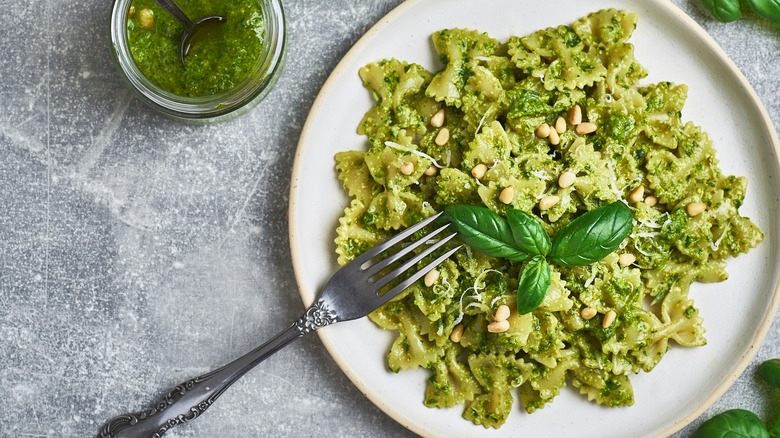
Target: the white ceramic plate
pixel 672 47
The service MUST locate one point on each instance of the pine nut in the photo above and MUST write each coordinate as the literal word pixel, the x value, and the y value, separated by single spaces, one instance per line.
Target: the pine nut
pixel 554 138
pixel 560 125
pixel 637 195
pixel 548 202
pixel 566 179
pixel 431 277
pixel 507 195
pixel 437 121
pixel 442 137
pixel 146 18
pixel 695 208
pixel 585 128
pixel 626 259
pixel 543 130
pixel 651 200
pixel 131 11
pixel 575 115
pixel 498 326
pixel 609 318
pixel 479 171
pixel 430 171
pixel 502 313
pixel 588 313
pixel 407 168
pixel 457 333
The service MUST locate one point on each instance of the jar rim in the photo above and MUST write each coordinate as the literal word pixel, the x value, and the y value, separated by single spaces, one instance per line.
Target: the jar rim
pixel 222 106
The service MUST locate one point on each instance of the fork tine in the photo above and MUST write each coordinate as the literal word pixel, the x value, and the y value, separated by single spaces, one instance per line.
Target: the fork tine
pixel 350 292
pixel 392 275
pixel 378 249
pixel 382 264
pixel 416 276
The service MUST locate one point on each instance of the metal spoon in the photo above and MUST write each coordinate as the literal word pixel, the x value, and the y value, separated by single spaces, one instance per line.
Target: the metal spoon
pixel 191 28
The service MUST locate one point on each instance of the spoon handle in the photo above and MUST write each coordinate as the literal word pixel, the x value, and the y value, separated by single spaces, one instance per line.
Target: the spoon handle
pixel 172 8
pixel 191 398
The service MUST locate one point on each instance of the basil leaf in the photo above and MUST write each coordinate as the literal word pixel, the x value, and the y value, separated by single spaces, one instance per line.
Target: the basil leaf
pixel 735 423
pixel 528 233
pixel 770 371
pixel 533 285
pixel 485 231
pixel 774 430
pixel 724 11
pixel 769 9
pixel 590 237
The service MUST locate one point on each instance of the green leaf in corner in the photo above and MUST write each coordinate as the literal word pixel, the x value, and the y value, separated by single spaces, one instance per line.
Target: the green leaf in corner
pixel 534 283
pixel 770 371
pixel 769 9
pixel 590 237
pixel 485 231
pixel 528 233
pixel 735 423
pixel 724 11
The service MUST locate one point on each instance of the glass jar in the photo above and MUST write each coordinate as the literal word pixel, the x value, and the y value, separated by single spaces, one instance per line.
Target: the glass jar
pixel 218 107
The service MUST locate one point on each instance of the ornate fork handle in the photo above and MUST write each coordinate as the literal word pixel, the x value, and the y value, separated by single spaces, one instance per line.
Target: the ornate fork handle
pixel 190 399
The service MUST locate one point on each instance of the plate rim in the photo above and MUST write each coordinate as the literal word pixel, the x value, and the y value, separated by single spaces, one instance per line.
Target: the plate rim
pixel 728 380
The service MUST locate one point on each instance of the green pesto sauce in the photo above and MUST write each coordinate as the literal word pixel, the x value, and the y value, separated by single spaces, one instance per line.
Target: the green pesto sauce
pixel 217 62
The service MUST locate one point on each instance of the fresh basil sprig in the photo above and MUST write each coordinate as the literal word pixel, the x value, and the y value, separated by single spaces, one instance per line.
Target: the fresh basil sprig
pixel 534 283
pixel 724 11
pixel 521 236
pixel 769 9
pixel 491 234
pixel 528 232
pixel 729 10
pixel 733 423
pixel 590 237
pixel 743 423
pixel 770 371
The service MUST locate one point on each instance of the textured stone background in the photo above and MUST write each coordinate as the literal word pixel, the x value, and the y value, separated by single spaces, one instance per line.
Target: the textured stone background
pixel 137 252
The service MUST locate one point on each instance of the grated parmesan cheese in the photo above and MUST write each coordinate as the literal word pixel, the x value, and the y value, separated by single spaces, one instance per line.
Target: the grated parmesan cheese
pixel 477 296
pixel 716 244
pixel 592 277
pixel 401 147
pixel 482 120
pixel 541 174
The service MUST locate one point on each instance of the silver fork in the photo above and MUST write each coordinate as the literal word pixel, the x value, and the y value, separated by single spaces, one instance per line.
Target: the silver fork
pixel 351 293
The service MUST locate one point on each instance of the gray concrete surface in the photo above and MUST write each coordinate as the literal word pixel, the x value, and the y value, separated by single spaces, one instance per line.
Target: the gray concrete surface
pixel 136 252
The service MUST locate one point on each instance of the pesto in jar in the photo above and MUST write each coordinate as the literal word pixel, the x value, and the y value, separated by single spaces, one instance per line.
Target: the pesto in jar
pixel 219 61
